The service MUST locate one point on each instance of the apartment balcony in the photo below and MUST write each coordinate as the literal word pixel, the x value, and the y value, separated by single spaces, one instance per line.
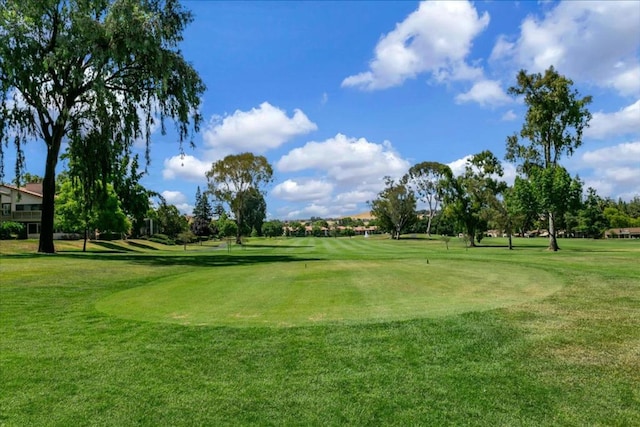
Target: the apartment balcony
pixel 22 216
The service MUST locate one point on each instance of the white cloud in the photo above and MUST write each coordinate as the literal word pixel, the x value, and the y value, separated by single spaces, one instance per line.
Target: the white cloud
pixel 509 116
pixel 458 166
pixel 257 130
pixel 621 154
pixel 347 160
pixel 305 190
pixel 509 171
pixel 186 167
pixel 173 197
pixel 436 38
pixel 590 41
pixel 613 171
pixel 179 200
pixel 623 122
pixel 352 197
pixel 309 211
pixel 485 93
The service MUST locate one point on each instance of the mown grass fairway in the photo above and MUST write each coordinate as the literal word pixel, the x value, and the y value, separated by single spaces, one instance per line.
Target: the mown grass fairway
pixel 308 292
pixel 134 333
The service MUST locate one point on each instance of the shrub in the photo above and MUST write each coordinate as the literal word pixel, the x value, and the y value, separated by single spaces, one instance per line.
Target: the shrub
pixel 10 229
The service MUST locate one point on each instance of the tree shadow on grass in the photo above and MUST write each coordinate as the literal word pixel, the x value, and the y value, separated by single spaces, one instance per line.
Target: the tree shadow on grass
pixel 262 245
pixel 218 260
pixel 112 246
pixel 141 245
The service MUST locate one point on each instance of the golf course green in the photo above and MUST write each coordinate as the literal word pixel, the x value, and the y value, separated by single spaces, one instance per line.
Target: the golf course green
pixel 353 291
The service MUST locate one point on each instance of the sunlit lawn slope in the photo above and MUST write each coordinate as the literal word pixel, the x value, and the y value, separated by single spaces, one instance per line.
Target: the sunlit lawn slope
pixel 320 332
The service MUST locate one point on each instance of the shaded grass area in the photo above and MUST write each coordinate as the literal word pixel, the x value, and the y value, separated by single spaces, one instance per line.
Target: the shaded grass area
pixel 568 359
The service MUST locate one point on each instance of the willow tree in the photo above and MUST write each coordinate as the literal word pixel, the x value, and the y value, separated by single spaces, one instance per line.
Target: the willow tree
pixel 555 120
pixel 92 72
pixel 235 179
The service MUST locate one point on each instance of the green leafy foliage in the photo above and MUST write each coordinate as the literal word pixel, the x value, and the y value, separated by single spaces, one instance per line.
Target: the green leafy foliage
pixel 171 221
pixel 555 120
pixel 96 74
pixel 226 227
pixel 395 208
pixel 10 229
pixel 233 180
pixel 254 211
pixel 78 214
pixel 273 228
pixel 426 180
pixel 470 196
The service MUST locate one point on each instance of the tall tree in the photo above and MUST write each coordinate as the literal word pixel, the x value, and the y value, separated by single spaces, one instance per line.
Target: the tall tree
pixel 554 123
pixel 395 208
pixel 171 222
pixel 426 180
pixel 273 228
pixel 77 213
pixel 202 209
pixel 470 195
pixel 231 178
pixel 254 212
pixel 591 218
pixel 93 73
pixel 201 225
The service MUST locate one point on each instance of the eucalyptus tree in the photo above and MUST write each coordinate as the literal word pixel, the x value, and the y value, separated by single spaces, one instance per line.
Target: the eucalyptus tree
pixel 426 180
pixel 555 120
pixel 394 208
pixel 469 196
pixel 232 178
pixel 92 72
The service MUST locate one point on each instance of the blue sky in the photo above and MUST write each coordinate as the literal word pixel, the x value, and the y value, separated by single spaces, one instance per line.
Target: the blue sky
pixel 338 95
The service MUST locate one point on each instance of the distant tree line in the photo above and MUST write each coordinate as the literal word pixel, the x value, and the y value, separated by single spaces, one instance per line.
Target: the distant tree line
pixel 543 196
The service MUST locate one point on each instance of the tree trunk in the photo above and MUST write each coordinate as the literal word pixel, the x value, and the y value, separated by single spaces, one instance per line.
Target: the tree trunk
pixel 510 242
pixel 86 236
pixel 553 242
pixel 48 198
pixel 429 224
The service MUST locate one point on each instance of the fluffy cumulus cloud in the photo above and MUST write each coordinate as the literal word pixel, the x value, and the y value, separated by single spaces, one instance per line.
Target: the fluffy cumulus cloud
pixel 345 160
pixel 590 41
pixel 179 200
pixel 458 166
pixel 621 154
pixel 257 130
pixel 623 122
pixel 434 39
pixel 509 170
pixel 303 190
pixel 351 172
pixel 485 93
pixel 185 167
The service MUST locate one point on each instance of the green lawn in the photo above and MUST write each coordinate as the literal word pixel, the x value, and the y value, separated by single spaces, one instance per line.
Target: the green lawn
pixel 321 332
